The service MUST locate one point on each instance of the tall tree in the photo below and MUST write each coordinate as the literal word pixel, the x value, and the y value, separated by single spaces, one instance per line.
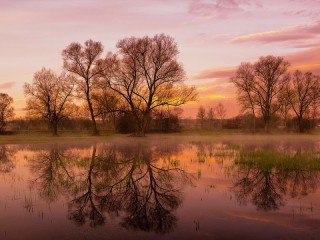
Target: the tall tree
pixel 270 78
pixel 244 82
pixel 85 62
pixel 147 75
pixel 259 84
pixel 49 96
pixel 6 109
pixel 301 95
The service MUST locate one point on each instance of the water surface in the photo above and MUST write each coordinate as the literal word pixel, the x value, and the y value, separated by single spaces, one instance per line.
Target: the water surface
pixel 165 188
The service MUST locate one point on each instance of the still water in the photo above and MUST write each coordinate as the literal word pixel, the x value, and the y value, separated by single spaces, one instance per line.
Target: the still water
pixel 161 188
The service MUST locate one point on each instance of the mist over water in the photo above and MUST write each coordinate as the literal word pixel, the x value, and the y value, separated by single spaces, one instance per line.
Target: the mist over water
pixel 161 188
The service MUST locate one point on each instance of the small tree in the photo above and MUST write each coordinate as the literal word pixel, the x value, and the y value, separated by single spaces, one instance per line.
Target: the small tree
pixel 201 115
pixel 49 97
pixel 6 109
pixel 221 112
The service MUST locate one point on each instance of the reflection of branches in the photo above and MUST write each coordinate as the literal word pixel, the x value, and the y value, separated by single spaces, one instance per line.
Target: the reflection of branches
pixel 129 180
pixel 6 164
pixel 153 199
pixel 266 177
pixel 51 171
pixel 301 182
pixel 84 206
pixel 263 187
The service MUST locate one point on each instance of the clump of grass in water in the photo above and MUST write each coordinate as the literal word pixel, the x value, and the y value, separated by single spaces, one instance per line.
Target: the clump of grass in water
pixel 266 159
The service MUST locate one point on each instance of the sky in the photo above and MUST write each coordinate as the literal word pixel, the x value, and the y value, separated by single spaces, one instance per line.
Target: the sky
pixel 213 37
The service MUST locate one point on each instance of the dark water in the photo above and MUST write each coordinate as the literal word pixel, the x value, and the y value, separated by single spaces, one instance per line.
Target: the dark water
pixel 168 188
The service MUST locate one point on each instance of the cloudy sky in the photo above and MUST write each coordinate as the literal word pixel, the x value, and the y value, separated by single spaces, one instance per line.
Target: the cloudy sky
pixel 213 36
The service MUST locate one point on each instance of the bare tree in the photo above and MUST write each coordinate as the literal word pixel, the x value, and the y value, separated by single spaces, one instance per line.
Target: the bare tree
pixel 6 109
pixel 301 95
pixel 147 75
pixel 201 115
pixel 259 84
pixel 49 96
pixel 270 78
pixel 221 112
pixel 244 82
pixel 85 62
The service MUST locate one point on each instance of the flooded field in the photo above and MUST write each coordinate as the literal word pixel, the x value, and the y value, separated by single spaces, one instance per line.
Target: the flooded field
pixel 166 188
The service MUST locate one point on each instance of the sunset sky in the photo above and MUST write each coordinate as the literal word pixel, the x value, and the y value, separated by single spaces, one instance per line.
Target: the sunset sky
pixel 213 37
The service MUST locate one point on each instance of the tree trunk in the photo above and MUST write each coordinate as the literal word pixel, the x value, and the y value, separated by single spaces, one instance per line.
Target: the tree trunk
pixel 254 117
pixel 254 120
pixel 55 129
pixel 93 120
pixel 300 125
pixel 142 125
pixel 266 126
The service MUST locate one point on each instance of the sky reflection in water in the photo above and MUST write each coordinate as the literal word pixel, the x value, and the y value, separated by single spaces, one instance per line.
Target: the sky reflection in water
pixel 167 188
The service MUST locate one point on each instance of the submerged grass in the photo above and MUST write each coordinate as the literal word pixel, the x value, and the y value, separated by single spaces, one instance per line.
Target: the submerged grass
pixel 267 159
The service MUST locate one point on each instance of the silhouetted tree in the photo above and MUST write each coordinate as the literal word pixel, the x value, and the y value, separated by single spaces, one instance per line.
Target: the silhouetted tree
pixel 259 84
pixel 270 77
pixel 49 97
pixel 6 109
pixel 147 75
pixel 301 95
pixel 85 63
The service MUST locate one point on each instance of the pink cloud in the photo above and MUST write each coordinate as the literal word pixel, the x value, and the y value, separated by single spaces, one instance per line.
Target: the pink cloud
pixel 215 73
pixel 301 32
pixel 307 60
pixel 7 85
pixel 220 8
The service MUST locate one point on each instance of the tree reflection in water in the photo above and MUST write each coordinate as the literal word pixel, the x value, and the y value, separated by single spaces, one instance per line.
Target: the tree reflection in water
pixel 263 187
pixel 53 172
pixel 140 184
pixel 6 164
pixel 265 178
